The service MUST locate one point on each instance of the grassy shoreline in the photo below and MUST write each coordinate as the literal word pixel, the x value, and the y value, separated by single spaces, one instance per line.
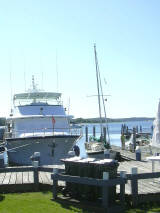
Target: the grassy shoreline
pixel 41 202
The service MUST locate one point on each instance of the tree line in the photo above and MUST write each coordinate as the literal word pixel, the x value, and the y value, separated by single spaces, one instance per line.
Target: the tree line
pixel 109 120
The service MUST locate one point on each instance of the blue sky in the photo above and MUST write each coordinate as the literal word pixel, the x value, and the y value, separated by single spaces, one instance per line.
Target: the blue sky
pixel 127 35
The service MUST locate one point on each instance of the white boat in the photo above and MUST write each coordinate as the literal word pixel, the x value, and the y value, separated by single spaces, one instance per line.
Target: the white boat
pixel 39 123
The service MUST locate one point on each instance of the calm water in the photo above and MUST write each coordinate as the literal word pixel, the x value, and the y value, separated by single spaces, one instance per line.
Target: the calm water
pixel 114 132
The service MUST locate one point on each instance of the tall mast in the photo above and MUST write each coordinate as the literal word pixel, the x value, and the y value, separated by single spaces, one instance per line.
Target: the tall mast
pixel 98 89
pixel 33 83
pixel 102 96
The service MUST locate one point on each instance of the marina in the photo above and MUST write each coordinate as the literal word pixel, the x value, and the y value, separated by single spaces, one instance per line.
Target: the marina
pixel 119 172
pixel 80 106
pixel 136 180
pixel 10 175
pixel 29 178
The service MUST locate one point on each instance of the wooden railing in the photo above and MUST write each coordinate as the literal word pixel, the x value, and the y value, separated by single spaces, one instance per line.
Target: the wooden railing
pixel 44 132
pixel 105 183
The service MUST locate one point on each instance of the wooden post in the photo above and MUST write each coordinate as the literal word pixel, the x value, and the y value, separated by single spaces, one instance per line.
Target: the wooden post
pixel 104 133
pixel 122 129
pixel 134 139
pixel 86 133
pixel 122 188
pixel 134 186
pixel 107 153
pixel 36 178
pixel 153 166
pixel 122 141
pixel 55 184
pixel 105 198
pixel 94 131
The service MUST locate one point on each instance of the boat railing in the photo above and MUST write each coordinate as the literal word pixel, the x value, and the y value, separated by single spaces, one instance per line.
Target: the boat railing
pixel 44 132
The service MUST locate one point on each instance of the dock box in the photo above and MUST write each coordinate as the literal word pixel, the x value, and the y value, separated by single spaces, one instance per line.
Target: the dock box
pixel 93 168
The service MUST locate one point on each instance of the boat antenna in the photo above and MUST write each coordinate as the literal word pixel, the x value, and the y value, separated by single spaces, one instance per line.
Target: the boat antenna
pixel 57 70
pixel 68 105
pixel 98 88
pixel 24 80
pixel 41 69
pixel 33 83
pixel 42 80
pixel 24 74
pixel 11 91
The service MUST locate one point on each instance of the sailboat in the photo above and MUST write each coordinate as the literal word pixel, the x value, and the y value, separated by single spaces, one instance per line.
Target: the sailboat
pixel 97 147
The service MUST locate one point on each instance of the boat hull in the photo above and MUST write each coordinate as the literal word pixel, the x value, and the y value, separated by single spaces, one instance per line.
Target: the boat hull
pixel 52 149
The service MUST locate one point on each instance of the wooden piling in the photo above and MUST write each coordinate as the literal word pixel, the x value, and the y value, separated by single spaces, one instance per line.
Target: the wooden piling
pixel 104 133
pixel 55 184
pixel 94 131
pixel 122 188
pixel 105 197
pixel 134 186
pixel 35 174
pixel 134 139
pixel 86 130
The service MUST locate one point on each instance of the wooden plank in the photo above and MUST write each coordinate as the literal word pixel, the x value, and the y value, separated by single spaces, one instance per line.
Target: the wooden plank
pixel 87 181
pixel 30 177
pixel 6 180
pixel 40 177
pixel 2 176
pixel 48 177
pixel 25 177
pixel 13 178
pixel 44 178
pixel 19 178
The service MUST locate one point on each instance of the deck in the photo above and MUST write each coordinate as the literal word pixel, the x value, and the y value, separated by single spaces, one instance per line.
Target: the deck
pixel 25 180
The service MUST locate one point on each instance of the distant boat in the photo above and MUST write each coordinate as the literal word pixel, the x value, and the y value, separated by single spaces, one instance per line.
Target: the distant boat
pixel 97 146
pixel 39 123
pixel 141 139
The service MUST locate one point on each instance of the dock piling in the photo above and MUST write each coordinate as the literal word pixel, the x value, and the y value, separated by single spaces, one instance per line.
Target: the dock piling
pixel 105 198
pixel 94 131
pixel 104 133
pixel 122 188
pixel 134 139
pixel 86 130
pixel 134 186
pixel 36 176
pixel 55 184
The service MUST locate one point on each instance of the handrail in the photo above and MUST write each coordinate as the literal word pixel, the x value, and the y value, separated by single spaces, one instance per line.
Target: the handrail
pixel 45 132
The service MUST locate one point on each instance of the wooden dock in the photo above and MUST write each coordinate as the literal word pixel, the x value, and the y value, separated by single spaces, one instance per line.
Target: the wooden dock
pixel 24 179
pixel 146 186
